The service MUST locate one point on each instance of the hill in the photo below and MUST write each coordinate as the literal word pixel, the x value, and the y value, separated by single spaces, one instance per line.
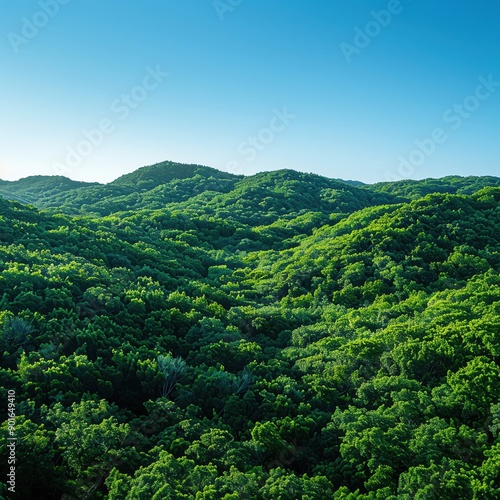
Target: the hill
pixel 206 189
pixel 166 184
pixel 165 172
pixel 412 190
pixel 36 189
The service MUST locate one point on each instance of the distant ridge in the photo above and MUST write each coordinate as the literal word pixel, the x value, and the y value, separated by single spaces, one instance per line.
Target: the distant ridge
pixel 35 188
pixel 206 190
pixel 167 171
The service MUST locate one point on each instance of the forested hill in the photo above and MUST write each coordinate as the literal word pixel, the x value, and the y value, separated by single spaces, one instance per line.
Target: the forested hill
pixel 270 193
pixel 192 334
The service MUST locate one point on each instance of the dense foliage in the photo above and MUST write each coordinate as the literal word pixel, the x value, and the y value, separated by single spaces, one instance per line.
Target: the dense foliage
pixel 187 333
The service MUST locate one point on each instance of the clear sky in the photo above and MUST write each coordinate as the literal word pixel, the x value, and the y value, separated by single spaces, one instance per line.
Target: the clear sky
pixel 366 90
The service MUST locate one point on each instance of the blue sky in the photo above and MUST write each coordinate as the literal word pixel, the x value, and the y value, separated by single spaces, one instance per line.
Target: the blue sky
pixel 366 90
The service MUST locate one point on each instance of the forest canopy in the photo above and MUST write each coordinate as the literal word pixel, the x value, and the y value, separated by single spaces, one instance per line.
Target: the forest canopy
pixel 187 333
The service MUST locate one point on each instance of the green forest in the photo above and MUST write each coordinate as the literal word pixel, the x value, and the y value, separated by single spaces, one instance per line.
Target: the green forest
pixel 187 333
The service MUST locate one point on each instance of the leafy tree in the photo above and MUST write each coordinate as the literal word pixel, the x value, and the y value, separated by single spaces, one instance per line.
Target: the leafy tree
pixel 91 441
